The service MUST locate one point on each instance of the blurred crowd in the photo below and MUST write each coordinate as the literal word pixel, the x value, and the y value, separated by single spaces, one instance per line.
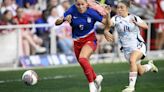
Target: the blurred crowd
pixel 18 12
pixel 34 41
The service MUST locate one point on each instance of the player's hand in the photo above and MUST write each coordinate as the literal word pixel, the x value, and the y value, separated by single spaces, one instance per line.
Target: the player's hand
pixel 107 8
pixel 108 36
pixel 59 21
pixel 68 18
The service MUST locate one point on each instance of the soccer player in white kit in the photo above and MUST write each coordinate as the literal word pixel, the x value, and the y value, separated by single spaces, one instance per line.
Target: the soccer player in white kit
pixel 128 27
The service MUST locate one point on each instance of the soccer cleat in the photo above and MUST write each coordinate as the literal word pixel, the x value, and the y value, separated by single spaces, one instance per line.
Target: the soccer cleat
pixel 154 68
pixel 129 89
pixel 98 81
pixel 93 90
pixel 92 87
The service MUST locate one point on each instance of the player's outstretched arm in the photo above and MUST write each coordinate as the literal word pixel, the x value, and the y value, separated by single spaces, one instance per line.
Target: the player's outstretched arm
pixel 60 20
pixel 108 36
pixel 106 18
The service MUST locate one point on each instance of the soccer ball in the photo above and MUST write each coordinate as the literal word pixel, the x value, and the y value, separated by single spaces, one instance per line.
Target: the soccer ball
pixel 30 77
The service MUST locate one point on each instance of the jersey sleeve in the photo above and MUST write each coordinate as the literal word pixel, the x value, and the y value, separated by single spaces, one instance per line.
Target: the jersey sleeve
pixel 96 15
pixel 138 19
pixel 113 20
pixel 69 11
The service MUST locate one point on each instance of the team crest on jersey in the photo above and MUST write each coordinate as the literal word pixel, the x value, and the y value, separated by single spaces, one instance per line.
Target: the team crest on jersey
pixel 89 20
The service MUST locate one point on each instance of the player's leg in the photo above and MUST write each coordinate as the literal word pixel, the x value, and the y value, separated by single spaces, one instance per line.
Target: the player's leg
pixel 85 53
pixel 83 61
pixel 134 57
pixel 87 68
pixel 99 78
pixel 146 68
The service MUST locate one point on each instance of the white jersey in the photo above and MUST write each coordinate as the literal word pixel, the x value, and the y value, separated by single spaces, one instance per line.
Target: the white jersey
pixel 129 33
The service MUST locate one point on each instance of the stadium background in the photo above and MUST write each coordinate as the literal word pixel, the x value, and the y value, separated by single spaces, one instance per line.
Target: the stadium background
pixel 57 67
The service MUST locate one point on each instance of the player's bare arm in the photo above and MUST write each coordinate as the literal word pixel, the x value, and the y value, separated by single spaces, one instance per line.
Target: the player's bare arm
pixel 60 20
pixel 107 34
pixel 106 17
pixel 141 25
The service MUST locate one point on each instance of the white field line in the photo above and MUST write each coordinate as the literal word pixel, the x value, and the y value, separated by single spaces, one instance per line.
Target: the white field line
pixel 63 76
pixel 58 66
pixel 60 77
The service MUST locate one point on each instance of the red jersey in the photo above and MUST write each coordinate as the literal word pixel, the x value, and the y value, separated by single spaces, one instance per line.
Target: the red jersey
pixel 21 20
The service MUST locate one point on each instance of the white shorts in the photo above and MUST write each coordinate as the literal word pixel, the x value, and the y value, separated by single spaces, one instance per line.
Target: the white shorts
pixel 140 47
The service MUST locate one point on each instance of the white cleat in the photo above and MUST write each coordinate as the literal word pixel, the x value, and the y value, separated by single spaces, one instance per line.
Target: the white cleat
pixel 129 89
pixel 93 90
pixel 98 81
pixel 92 87
pixel 154 68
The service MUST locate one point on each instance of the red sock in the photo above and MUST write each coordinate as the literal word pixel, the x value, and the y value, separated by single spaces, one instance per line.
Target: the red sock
pixel 88 70
pixel 93 74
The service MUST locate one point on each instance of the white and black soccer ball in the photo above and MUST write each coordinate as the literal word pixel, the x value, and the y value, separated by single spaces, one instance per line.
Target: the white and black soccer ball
pixel 30 77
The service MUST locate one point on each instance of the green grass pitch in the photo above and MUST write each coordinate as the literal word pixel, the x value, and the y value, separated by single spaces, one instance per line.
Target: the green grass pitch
pixel 71 79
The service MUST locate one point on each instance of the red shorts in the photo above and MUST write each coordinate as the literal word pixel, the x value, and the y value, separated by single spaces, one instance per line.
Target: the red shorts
pixel 90 40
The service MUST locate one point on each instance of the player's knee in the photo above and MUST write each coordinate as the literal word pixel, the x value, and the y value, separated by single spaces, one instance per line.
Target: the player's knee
pixel 85 54
pixel 140 73
pixel 132 62
pixel 82 56
pixel 81 59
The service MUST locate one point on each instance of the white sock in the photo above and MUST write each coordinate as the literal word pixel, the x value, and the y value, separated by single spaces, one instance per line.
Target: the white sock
pixel 132 79
pixel 147 67
pixel 92 87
